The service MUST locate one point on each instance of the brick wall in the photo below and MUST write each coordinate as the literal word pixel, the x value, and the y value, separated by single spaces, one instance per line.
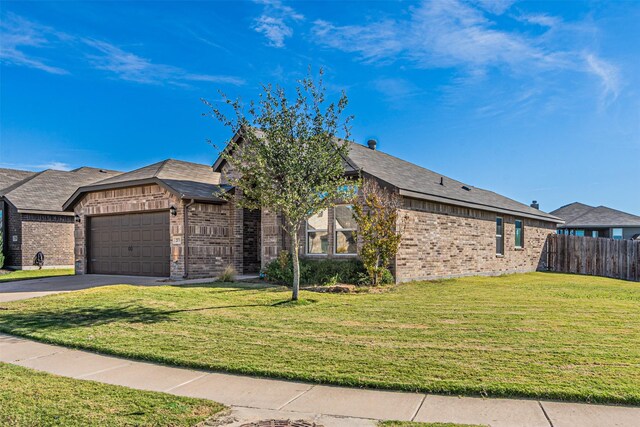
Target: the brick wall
pixel 13 237
pixel 272 236
pixel 215 231
pixel 50 234
pixel 211 240
pixel 446 241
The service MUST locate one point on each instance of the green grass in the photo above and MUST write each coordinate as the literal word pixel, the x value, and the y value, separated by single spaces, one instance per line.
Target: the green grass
pixel 555 336
pixel 32 398
pixel 35 274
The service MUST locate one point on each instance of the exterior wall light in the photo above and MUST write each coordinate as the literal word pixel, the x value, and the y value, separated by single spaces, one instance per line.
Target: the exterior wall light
pixel 78 219
pixel 173 211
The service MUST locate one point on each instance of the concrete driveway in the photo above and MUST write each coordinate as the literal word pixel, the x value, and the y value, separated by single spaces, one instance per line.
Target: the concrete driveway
pixel 24 289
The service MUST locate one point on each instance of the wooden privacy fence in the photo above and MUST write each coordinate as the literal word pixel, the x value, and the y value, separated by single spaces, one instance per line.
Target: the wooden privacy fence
pixel 619 259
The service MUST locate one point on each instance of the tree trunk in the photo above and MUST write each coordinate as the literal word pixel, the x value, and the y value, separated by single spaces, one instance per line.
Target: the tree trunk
pixel 296 273
pixel 296 264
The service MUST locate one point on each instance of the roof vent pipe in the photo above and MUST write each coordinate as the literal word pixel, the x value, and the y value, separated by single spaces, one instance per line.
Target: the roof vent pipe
pixel 372 143
pixel 535 204
pixel 441 181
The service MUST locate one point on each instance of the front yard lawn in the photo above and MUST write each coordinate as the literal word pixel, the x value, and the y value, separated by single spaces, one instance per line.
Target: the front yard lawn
pixel 34 274
pixel 32 398
pixel 534 335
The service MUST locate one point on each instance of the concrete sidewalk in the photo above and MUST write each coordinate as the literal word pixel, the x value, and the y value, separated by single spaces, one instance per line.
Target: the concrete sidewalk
pixel 254 399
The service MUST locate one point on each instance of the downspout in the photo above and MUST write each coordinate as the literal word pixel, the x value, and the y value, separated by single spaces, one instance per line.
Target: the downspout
pixel 186 238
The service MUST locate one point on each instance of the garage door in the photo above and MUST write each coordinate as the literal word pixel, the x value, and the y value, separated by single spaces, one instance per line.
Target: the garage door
pixel 131 244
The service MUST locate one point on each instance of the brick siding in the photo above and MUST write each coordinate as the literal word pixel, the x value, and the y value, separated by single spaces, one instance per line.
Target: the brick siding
pixel 129 200
pixel 447 241
pixel 211 241
pixel 50 234
pixel 214 240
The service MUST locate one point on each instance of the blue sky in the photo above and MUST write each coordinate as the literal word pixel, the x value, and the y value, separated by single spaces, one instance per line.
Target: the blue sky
pixel 534 100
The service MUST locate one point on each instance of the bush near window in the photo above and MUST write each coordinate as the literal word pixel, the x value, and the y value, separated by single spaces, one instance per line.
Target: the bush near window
pixel 316 272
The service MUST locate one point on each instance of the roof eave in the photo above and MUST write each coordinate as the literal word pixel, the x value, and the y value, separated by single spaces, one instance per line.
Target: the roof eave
pixel 600 226
pixel 44 212
pixel 434 198
pixel 70 203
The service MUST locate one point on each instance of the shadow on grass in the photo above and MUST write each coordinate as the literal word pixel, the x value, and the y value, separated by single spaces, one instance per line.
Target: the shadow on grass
pixel 81 317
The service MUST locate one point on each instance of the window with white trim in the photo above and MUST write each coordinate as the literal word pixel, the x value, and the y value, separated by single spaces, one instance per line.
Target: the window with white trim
pixel 344 231
pixel 499 236
pixel 519 233
pixel 317 233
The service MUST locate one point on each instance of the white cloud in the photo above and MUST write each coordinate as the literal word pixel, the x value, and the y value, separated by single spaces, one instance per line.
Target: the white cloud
pixel 461 35
pixel 275 22
pixel 19 35
pixel 374 42
pixel 497 7
pixel 60 166
pixel 608 74
pixel 131 67
pixel 274 29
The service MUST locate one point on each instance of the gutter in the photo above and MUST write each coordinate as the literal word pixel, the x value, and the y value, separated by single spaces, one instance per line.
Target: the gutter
pixel 186 238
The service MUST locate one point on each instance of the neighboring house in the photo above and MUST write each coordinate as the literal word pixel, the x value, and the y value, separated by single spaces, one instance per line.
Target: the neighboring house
pixel 601 221
pixel 9 178
pixel 32 216
pixel 167 219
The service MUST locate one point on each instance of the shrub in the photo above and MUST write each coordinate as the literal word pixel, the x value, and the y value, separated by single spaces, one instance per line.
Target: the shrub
pixel 315 272
pixel 228 275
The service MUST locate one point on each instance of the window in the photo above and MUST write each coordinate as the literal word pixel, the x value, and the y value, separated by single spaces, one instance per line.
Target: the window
pixel 617 233
pixel 499 236
pixel 580 233
pixel 317 233
pixel 519 233
pixel 594 233
pixel 345 227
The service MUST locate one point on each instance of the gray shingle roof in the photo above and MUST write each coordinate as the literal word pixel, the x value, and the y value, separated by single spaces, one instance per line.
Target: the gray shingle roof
pixel 9 178
pixel 416 181
pixel 48 190
pixel 185 179
pixel 580 215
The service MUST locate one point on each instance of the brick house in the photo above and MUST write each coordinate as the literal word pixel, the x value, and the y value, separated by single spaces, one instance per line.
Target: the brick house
pixel 169 219
pixel 140 222
pixel 597 221
pixel 32 219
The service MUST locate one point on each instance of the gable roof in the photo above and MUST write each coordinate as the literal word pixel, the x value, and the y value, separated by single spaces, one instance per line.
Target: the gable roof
pixel 9 178
pixel 581 215
pixel 185 179
pixel 415 181
pixel 571 211
pixel 418 182
pixel 46 192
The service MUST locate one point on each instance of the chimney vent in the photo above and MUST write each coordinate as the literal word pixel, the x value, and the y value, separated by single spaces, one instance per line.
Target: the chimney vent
pixel 441 181
pixel 535 204
pixel 372 143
